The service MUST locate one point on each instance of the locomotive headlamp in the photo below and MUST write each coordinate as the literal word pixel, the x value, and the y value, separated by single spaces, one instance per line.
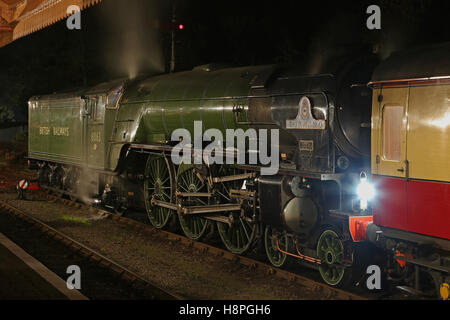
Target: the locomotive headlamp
pixel 365 191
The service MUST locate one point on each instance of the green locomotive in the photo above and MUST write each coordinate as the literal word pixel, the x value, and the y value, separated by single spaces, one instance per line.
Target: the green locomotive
pixel 113 143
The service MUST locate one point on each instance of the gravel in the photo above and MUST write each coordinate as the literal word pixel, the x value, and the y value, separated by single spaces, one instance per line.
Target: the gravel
pixel 182 270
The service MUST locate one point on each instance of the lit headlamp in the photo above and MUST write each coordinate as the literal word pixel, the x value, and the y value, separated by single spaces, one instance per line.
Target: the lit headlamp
pixel 365 191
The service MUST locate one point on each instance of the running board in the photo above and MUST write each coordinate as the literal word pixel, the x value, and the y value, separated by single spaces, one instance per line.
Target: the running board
pixel 242 194
pixel 412 291
pixel 219 218
pixel 425 264
pixel 210 209
pixel 164 204
pixel 193 194
pixel 234 178
pixel 197 209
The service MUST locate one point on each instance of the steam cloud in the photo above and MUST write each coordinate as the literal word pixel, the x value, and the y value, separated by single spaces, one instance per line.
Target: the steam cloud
pixel 131 42
pixel 344 34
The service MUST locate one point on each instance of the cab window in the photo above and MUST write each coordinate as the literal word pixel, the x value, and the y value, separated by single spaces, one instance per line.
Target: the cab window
pixel 392 132
pixel 113 98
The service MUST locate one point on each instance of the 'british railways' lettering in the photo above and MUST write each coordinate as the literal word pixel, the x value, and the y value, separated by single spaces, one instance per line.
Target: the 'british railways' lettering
pixel 57 131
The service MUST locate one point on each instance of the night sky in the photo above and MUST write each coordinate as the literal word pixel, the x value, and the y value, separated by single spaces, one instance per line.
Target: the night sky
pixel 119 38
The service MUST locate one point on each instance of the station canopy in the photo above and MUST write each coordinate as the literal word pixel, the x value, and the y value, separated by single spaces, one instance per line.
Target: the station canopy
pixel 19 18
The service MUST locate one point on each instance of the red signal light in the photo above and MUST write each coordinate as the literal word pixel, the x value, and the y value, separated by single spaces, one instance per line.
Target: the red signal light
pixel 169 26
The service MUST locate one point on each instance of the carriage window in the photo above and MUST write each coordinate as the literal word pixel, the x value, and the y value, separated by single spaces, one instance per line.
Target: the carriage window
pixel 392 132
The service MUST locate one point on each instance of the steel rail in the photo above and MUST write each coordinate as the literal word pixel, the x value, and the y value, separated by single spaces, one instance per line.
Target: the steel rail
pixel 321 288
pixel 157 293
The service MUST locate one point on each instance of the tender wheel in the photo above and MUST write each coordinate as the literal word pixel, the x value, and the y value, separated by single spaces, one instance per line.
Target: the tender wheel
pixel 56 181
pixel 188 181
pixel 276 257
pixel 73 184
pixel 158 185
pixel 330 251
pixel 44 176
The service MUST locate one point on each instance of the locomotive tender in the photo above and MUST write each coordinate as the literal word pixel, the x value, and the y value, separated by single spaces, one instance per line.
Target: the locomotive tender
pixel 113 143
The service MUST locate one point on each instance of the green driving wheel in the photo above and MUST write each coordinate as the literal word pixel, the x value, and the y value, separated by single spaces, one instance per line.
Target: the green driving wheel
pixel 275 256
pixel 189 181
pixel 239 236
pixel 330 251
pixel 241 233
pixel 158 185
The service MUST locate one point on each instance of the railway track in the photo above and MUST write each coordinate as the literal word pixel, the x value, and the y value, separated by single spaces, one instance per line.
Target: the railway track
pixel 321 289
pixel 152 291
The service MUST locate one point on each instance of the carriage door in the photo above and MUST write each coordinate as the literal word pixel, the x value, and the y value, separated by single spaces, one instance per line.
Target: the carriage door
pixel 391 166
pixel 96 132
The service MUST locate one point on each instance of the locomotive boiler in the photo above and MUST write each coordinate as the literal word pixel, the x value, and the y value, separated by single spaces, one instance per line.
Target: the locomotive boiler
pixel 112 144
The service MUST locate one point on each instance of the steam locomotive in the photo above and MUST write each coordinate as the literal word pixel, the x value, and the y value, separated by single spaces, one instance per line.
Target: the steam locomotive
pixel 114 144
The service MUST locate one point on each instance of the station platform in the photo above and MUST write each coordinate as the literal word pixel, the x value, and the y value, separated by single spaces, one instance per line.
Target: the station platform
pixel 24 278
